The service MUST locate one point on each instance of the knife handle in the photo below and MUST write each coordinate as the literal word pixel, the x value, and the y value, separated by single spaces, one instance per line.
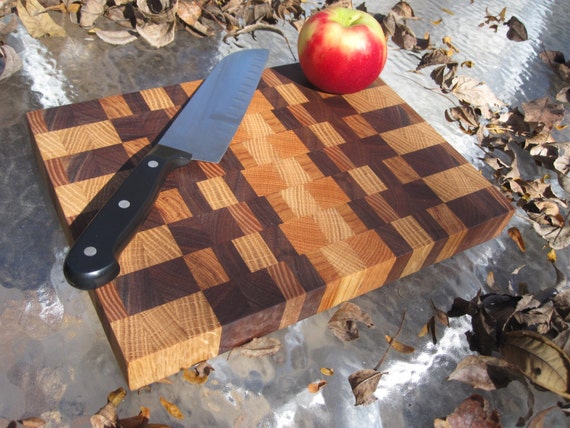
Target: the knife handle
pixel 92 259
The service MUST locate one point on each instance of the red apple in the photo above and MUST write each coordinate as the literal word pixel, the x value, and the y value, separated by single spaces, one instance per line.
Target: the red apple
pixel 342 50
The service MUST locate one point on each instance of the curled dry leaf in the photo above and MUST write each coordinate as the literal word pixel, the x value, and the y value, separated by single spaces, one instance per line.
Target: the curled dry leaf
pixel 260 347
pixel 344 321
pixel 315 387
pixel 539 359
pixel 198 374
pixel 327 371
pixel 544 113
pixel 10 61
pixel 106 417
pixel 516 236
pixel 171 408
pixel 138 421
pixel 485 372
pixel 399 346
pixel 474 411
pixel 364 384
pixel 517 30
pixel 478 94
pixel 33 422
pixel 116 37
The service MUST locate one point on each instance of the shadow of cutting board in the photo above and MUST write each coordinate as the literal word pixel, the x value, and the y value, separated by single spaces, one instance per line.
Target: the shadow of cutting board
pixel 319 199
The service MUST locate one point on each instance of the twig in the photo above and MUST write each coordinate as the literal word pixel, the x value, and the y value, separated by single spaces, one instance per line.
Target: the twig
pixel 393 338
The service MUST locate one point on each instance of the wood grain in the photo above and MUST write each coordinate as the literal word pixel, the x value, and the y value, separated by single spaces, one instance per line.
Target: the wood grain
pixel 319 199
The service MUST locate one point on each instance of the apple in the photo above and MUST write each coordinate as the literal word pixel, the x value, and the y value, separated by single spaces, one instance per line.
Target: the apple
pixel 341 50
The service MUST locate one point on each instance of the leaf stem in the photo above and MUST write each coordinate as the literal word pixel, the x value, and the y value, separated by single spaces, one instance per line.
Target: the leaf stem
pixel 393 338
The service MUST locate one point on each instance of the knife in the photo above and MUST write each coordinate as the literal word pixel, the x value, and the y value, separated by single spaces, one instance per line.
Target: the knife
pixel 202 130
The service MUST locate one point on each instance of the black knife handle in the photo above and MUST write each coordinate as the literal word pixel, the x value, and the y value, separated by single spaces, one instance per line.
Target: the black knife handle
pixel 92 259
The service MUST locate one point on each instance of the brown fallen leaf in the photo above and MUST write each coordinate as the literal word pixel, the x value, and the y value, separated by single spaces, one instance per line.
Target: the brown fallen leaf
pixel 260 347
pixel 364 384
pixel 198 373
pixel 37 22
pixel 517 31
pixel 33 422
pixel 343 323
pixel 543 113
pixel 315 387
pixel 10 61
pixel 474 411
pixel 399 346
pixel 484 372
pixel 171 408
pixel 106 417
pixel 516 236
pixel 138 421
pixel 539 359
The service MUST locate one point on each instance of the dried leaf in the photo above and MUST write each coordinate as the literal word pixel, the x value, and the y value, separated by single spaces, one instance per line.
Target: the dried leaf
pixel 315 387
pixel 260 347
pixel 517 31
pixel 10 61
pixel 474 411
pixel 171 408
pixel 399 346
pixel 327 371
pixel 33 422
pixel 563 95
pixel 344 321
pixel 477 94
pixel 543 113
pixel 157 34
pixel 198 374
pixel 91 11
pixel 435 57
pixel 516 236
pixel 117 396
pixel 551 255
pixel 37 22
pixel 484 372
pixel 138 421
pixel 403 9
pixel 116 37
pixel 539 359
pixel 364 384
pixel 538 420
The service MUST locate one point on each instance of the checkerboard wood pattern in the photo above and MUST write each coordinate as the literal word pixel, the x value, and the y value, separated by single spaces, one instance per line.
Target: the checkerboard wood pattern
pixel 319 199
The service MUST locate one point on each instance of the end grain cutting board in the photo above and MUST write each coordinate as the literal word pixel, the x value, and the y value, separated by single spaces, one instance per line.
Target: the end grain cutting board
pixel 319 199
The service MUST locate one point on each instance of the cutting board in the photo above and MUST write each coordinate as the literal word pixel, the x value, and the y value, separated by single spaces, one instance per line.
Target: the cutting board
pixel 319 199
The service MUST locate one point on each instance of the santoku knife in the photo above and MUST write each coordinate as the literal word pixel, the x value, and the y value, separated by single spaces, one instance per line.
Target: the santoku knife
pixel 202 130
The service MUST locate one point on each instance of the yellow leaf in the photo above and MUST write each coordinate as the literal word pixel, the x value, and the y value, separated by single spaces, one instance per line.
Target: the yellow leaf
pixel 37 22
pixel 539 359
pixel 449 12
pixel 315 387
pixel 551 256
pixel 439 21
pixel 491 279
pixel 398 346
pixel 327 371
pixel 468 64
pixel 198 374
pixel 424 330
pixel 117 396
pixel 171 408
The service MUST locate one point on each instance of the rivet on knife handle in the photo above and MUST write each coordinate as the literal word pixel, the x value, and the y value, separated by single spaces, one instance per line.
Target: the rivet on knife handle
pixel 92 260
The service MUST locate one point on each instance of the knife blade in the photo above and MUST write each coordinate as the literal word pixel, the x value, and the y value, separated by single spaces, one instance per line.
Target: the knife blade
pixel 202 130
